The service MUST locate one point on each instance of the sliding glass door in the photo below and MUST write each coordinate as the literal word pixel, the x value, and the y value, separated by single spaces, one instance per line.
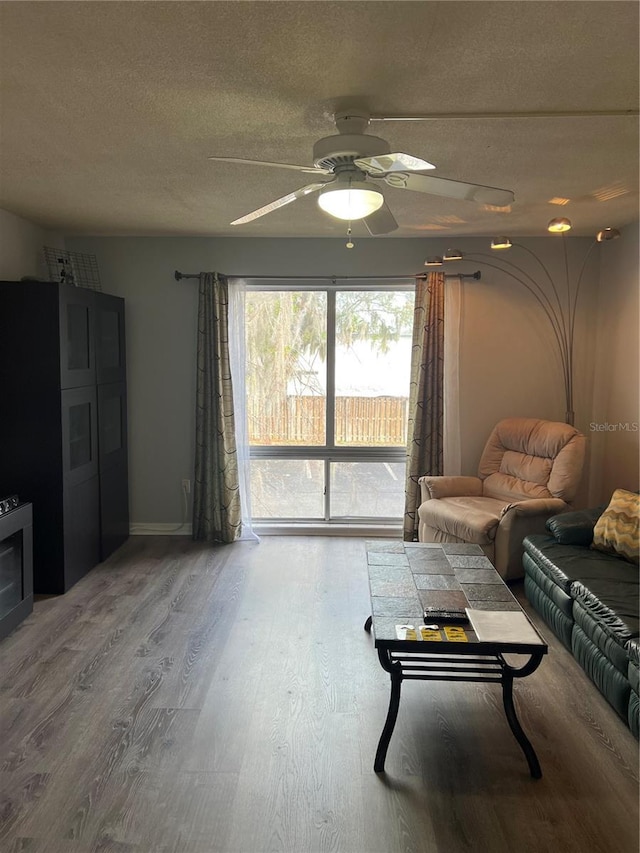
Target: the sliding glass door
pixel 327 383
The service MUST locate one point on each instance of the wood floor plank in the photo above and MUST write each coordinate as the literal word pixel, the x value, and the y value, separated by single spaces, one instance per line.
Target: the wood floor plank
pixel 195 812
pixel 188 698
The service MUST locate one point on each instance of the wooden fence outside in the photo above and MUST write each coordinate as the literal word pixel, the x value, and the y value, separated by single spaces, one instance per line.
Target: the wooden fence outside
pixel 360 421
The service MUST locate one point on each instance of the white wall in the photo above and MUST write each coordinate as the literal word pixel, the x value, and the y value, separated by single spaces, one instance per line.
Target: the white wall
pixel 21 248
pixel 507 360
pixel 616 410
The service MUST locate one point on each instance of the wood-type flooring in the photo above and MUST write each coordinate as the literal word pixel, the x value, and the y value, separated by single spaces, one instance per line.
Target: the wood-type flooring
pixel 185 698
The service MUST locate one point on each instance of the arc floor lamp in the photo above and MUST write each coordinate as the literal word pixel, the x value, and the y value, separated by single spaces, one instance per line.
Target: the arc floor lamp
pixel 557 297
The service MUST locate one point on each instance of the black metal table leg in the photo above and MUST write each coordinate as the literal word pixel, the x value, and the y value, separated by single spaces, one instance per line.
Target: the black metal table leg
pixel 516 728
pixel 392 714
pixel 368 623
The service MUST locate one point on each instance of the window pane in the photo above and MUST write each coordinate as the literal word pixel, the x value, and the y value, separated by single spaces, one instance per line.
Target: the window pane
pixel 373 362
pixel 287 488
pixel 286 375
pixel 367 489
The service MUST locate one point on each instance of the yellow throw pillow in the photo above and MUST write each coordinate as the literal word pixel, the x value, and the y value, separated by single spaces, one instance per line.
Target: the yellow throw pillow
pixel 617 531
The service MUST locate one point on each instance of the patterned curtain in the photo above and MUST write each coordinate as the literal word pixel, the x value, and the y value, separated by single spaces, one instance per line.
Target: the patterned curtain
pixel 216 495
pixel 424 433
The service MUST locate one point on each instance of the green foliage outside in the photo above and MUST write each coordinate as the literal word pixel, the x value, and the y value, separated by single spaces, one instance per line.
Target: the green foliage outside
pixel 286 333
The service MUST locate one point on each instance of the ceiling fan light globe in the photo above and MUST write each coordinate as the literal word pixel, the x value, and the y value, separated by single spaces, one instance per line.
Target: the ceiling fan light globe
pixel 501 243
pixel 351 202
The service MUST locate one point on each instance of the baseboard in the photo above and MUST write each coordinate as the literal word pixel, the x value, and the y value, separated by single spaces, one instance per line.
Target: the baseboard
pixel 150 529
pixel 377 531
pixel 284 529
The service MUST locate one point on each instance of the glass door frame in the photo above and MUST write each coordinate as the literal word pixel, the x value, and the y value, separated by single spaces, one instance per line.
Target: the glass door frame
pixel 330 452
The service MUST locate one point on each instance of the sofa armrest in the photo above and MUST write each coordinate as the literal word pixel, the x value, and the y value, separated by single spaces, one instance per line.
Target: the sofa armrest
pixel 449 487
pixel 575 528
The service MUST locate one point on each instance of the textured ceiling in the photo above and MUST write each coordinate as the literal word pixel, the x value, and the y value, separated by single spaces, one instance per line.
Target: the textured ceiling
pixel 110 109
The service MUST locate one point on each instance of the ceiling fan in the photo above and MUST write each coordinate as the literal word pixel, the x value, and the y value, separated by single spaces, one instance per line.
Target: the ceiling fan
pixel 351 165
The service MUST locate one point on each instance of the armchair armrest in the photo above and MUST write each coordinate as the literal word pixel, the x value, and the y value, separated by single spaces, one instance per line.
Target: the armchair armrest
pixel 449 487
pixel 535 506
pixel 518 520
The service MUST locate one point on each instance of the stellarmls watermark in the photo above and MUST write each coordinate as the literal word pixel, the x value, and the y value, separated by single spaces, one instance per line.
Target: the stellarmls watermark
pixel 619 427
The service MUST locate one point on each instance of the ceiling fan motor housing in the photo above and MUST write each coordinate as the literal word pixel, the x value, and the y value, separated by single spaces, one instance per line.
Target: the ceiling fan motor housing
pixel 343 148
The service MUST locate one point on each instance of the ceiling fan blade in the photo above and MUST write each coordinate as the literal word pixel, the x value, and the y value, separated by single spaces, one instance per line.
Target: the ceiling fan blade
pixel 395 162
pixel 279 202
pixel 311 170
pixel 381 221
pixel 451 189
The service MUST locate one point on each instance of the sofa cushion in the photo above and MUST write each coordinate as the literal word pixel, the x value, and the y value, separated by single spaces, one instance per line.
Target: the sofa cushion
pixel 565 564
pixel 554 616
pixel 611 645
pixel 612 600
pixel 469 519
pixel 633 715
pixel 617 530
pixel 549 586
pixel 611 683
pixel 633 672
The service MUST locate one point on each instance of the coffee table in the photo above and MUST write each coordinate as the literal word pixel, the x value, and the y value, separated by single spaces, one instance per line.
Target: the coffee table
pixel 405 577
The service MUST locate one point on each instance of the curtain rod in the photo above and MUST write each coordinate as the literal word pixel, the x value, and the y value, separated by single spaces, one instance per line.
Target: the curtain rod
pixel 476 275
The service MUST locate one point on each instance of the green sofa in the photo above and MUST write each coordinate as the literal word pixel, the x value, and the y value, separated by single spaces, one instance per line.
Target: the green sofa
pixel 590 600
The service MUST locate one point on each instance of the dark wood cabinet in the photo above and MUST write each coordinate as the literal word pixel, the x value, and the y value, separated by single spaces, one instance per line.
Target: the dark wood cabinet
pixel 63 423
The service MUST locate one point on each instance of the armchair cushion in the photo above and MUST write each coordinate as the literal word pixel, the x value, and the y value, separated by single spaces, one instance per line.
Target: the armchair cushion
pixel 469 519
pixel 530 458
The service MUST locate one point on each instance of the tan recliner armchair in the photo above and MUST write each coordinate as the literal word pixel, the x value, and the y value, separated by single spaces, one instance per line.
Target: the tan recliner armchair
pixel 529 470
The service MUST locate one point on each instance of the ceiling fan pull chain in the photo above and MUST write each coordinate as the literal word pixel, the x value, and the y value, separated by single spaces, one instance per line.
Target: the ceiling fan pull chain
pixel 350 243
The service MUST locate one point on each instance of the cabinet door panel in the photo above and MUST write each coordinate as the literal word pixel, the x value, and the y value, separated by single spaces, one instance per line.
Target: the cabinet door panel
pixel 114 490
pixel 110 340
pixel 81 529
pixel 114 508
pixel 79 434
pixel 77 337
pixel 112 424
